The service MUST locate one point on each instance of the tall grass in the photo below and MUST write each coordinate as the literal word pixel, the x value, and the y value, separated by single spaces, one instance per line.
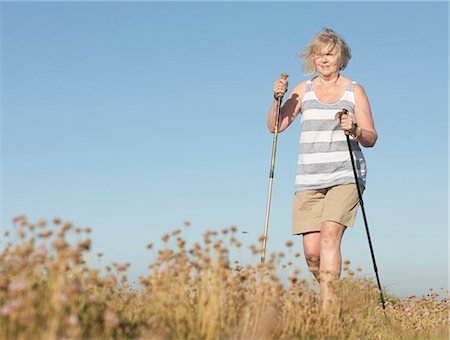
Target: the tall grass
pixel 48 291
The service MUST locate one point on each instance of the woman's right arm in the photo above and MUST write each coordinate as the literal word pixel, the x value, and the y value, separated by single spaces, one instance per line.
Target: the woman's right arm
pixel 289 110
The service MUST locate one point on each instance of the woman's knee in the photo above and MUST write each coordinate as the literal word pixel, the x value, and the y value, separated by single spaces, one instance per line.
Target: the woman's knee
pixel 331 234
pixel 311 244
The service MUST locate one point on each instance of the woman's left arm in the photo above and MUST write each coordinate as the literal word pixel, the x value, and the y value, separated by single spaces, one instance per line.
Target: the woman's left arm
pixel 363 116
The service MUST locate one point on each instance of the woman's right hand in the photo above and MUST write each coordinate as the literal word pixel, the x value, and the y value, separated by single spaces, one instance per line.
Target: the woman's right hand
pixel 280 86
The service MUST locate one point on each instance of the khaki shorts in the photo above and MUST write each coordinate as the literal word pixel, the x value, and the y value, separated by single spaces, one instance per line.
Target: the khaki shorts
pixel 338 204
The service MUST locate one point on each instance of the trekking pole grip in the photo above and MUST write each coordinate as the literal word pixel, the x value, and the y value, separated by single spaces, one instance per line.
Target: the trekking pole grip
pixel 339 116
pixel 279 95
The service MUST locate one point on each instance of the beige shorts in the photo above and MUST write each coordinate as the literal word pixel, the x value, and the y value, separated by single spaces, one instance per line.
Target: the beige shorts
pixel 338 204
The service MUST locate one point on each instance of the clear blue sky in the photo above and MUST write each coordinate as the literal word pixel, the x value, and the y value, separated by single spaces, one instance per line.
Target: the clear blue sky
pixel 133 117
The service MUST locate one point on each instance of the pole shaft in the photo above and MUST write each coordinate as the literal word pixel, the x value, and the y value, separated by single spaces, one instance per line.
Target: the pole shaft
pixel 365 220
pixel 272 168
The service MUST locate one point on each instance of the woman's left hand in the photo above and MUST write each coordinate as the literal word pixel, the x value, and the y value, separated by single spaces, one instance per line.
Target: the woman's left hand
pixel 347 122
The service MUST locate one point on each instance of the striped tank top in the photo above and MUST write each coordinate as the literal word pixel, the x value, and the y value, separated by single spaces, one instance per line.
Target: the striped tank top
pixel 323 158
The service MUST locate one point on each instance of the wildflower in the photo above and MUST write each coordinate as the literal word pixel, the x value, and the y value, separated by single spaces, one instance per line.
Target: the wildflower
pixel 165 238
pixel 346 262
pixel 99 254
pixel 21 232
pixel 5 310
pixel 150 246
pixel 187 223
pixel 289 243
pixel 233 229
pixel 62 298
pixel 73 319
pixel 15 304
pixel 41 250
pixel 88 230
pixel 111 319
pixel 57 221
pixel 17 285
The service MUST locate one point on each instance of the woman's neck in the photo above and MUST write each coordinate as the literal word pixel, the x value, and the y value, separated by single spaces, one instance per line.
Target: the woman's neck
pixel 331 79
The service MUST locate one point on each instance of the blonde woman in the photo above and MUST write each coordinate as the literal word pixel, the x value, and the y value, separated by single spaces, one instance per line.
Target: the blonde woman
pixel 326 198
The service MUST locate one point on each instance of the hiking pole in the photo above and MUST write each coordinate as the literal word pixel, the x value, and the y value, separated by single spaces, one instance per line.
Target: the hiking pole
pixel 278 96
pixel 347 135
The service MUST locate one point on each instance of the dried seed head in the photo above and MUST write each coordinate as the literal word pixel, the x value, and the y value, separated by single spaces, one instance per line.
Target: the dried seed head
pixel 187 223
pixel 66 227
pixel 165 238
pixel 56 221
pixel 289 243
pixel 233 229
pixel 150 246
pixel 346 262
pixel 85 245
pixel 88 230
pixel 46 233
pixel 176 232
pixel 19 219
pixel 59 243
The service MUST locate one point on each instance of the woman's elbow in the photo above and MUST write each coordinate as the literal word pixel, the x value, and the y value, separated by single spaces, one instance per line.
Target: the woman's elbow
pixel 371 142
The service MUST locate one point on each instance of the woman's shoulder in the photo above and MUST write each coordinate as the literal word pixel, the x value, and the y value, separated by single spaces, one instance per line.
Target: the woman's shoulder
pixel 300 88
pixel 347 81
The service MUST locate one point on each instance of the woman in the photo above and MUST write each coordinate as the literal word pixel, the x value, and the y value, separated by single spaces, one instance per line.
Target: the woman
pixel 326 198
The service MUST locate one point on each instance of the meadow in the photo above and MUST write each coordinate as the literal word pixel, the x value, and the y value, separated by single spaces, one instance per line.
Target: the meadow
pixel 49 291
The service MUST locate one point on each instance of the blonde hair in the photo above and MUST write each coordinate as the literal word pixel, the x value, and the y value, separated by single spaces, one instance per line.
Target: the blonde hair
pixel 328 39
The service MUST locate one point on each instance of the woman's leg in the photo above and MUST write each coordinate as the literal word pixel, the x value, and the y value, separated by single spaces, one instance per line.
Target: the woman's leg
pixel 330 258
pixel 311 246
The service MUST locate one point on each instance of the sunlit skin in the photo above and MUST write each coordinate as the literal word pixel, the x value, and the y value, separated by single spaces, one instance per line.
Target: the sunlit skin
pixel 322 249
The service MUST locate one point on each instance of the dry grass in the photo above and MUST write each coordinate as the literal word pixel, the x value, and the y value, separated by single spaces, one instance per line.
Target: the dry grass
pixel 47 291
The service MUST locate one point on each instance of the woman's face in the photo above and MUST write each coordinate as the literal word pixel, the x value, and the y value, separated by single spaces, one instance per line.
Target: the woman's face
pixel 328 61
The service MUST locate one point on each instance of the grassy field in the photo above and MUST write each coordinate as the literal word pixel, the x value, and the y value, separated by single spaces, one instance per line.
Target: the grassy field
pixel 47 291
